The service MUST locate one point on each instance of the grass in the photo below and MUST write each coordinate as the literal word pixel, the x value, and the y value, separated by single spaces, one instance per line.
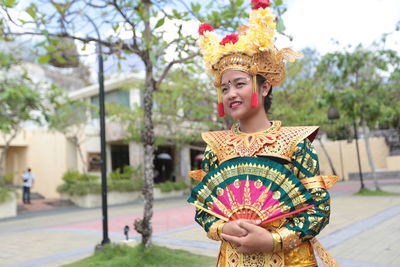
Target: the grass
pixel 368 192
pixel 156 256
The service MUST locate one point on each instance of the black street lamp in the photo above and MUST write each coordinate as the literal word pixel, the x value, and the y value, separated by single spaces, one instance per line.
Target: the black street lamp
pixel 105 240
pixel 103 160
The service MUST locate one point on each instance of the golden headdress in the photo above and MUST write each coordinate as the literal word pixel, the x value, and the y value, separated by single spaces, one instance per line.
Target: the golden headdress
pixel 251 51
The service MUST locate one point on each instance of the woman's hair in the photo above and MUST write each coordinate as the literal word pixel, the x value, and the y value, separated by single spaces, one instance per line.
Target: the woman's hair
pixel 268 97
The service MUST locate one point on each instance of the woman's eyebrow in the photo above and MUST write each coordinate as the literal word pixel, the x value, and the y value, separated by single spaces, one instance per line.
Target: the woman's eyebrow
pixel 235 80
pixel 239 78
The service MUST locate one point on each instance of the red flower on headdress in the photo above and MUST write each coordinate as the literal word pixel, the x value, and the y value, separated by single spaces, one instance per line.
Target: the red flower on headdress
pixel 204 27
pixel 260 4
pixel 231 38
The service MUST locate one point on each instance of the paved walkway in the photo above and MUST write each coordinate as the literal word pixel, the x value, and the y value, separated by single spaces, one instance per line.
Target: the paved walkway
pixel 363 231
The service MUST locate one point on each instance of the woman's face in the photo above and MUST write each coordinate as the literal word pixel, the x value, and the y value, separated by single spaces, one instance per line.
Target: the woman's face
pixel 236 89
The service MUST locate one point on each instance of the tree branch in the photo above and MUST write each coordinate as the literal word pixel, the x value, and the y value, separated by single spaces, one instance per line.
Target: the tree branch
pixel 127 20
pixel 110 45
pixel 169 66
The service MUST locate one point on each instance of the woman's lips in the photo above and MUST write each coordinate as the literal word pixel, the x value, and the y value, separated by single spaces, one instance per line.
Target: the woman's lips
pixel 235 104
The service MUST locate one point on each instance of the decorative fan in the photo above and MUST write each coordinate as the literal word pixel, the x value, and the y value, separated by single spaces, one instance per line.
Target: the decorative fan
pixel 251 188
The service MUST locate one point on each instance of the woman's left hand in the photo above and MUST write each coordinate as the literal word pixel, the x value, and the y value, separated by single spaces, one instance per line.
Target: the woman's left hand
pixel 257 239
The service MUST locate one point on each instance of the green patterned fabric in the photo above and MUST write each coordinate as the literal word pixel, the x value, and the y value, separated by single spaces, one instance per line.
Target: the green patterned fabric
pixel 209 163
pixel 304 164
pixel 309 223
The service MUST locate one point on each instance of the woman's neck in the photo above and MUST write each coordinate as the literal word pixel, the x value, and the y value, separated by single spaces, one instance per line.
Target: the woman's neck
pixel 256 123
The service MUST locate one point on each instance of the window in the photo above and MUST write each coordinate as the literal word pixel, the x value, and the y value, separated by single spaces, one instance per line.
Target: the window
pixel 120 97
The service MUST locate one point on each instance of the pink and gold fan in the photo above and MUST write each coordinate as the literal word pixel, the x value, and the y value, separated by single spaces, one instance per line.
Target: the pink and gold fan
pixel 251 188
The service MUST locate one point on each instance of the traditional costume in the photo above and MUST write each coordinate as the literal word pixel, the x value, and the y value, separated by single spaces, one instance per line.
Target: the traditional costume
pixel 272 175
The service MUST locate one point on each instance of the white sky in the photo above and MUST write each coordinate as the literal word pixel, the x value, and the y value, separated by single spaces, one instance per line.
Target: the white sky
pixel 320 23
pixel 317 23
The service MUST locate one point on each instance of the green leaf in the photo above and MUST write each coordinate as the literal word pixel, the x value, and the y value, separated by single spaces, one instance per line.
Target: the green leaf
pixel 31 10
pixel 239 3
pixel 49 48
pixel 278 2
pixel 160 22
pixel 44 59
pixel 9 3
pixel 153 58
pixel 280 27
pixel 195 7
pixel 116 27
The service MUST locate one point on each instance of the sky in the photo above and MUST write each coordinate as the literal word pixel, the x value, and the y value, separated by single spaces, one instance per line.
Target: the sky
pixel 320 23
pixel 331 25
pixel 324 25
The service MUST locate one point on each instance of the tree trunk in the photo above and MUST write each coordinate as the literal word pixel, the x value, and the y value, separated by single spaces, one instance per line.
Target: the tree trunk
pixel 369 154
pixel 144 226
pixel 148 142
pixel 327 156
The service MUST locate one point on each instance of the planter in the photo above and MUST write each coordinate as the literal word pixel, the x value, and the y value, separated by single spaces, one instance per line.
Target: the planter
pixel 94 200
pixel 161 195
pixel 9 207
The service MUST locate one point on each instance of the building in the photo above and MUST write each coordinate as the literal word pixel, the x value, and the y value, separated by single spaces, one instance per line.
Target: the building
pixel 50 154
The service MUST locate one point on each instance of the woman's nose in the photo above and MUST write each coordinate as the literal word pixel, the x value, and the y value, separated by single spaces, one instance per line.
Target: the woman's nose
pixel 232 93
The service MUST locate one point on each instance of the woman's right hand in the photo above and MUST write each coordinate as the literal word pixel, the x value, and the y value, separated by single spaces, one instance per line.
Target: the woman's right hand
pixel 234 228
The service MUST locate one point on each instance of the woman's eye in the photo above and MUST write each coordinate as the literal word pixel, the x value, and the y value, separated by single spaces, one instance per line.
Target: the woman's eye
pixel 240 85
pixel 224 89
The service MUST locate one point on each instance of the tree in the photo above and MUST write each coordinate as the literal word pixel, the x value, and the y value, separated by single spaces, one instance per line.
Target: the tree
pixel 361 84
pixel 298 102
pixel 148 41
pixel 146 23
pixel 21 101
pixel 300 92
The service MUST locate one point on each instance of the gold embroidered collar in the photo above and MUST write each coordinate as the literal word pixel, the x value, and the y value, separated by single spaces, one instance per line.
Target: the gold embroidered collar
pixel 248 144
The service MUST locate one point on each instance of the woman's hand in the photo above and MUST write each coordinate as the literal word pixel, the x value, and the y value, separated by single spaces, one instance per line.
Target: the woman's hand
pixel 257 239
pixel 233 228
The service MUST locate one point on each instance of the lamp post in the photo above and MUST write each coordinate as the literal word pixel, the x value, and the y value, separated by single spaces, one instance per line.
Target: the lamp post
pixel 105 240
pixel 103 160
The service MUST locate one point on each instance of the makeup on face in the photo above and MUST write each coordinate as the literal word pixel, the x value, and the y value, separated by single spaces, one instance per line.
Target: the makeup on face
pixel 238 83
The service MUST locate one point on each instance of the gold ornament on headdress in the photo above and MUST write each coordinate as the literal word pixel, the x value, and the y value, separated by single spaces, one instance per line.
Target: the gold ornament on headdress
pixel 251 51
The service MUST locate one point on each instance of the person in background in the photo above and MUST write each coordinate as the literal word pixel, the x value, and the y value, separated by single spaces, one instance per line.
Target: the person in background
pixel 28 179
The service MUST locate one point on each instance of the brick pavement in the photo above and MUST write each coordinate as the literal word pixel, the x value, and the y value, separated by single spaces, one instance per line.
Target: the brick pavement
pixel 363 231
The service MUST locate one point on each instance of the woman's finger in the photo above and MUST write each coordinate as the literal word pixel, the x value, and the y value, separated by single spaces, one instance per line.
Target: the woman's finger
pixel 232 239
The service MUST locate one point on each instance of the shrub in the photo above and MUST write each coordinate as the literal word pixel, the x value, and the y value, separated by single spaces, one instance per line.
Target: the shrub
pixel 89 177
pixel 7 179
pixel 180 185
pixel 170 186
pixel 165 187
pixel 138 184
pixel 5 194
pixel 125 185
pixel 127 173
pixel 80 188
pixel 83 184
pixel 71 176
pixel 75 176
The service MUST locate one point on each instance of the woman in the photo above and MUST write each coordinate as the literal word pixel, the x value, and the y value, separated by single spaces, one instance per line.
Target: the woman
pixel 246 66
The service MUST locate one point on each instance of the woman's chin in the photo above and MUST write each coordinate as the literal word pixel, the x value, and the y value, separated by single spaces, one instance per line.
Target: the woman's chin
pixel 236 114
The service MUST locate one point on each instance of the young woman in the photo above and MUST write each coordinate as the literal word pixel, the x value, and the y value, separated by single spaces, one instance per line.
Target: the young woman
pixel 258 153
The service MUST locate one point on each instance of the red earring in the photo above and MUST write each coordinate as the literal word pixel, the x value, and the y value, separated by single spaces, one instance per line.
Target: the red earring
pixel 254 96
